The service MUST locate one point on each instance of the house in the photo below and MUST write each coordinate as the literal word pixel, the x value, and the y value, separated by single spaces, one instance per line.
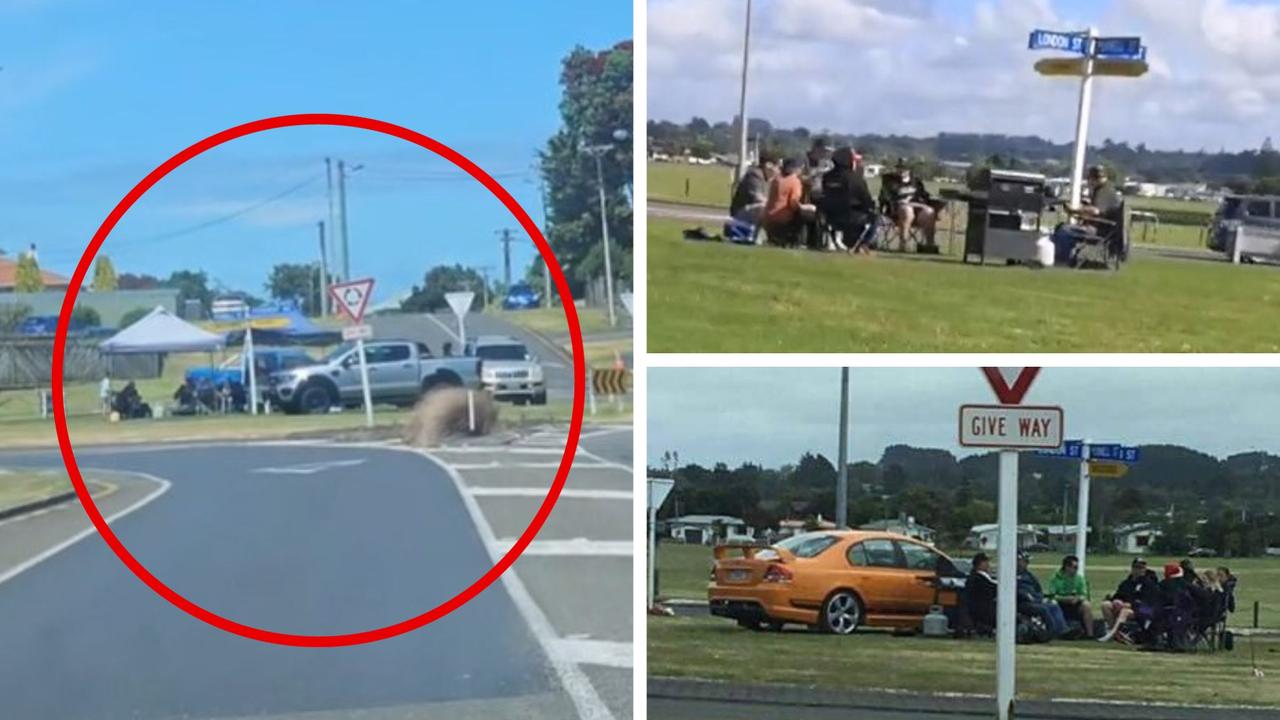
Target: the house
pixel 9 276
pixel 873 170
pixel 789 527
pixel 906 525
pixel 1135 539
pixel 987 537
pixel 1060 536
pixel 707 529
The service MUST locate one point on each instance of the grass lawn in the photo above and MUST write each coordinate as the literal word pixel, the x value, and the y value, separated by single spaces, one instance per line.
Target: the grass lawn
pixel 551 321
pixel 683 569
pixel 713 297
pixel 19 487
pixel 718 650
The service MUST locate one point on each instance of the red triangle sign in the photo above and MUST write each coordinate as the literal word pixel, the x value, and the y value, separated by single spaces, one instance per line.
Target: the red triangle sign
pixel 352 297
pixel 1010 384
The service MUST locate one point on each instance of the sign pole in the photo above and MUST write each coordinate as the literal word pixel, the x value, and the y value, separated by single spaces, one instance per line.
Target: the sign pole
pixel 364 382
pixel 1082 505
pixel 1006 597
pixel 251 367
pixel 1082 120
pixel 653 549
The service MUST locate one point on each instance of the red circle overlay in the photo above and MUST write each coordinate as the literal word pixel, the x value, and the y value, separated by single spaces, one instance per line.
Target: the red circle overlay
pixel 231 626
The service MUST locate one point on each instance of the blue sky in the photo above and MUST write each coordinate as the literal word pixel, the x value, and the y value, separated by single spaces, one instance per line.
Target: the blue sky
pixel 920 67
pixel 93 95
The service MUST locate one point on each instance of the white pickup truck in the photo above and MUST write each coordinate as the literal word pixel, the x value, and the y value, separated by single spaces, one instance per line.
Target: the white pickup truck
pixel 509 370
pixel 400 372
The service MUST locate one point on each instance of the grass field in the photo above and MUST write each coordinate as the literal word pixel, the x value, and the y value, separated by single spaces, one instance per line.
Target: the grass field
pixel 718 650
pixel 713 297
pixel 551 321
pixel 19 487
pixel 683 569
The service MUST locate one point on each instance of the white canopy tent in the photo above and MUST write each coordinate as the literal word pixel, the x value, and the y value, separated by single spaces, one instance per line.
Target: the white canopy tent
pixel 161 332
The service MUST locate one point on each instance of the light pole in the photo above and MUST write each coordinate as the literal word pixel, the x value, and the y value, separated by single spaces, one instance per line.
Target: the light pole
pixel 597 152
pixel 842 478
pixel 742 101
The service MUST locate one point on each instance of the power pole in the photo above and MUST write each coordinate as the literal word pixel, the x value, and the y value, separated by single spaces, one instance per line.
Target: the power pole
pixel 842 477
pixel 328 175
pixel 546 268
pixel 342 208
pixel 324 274
pixel 484 289
pixel 506 238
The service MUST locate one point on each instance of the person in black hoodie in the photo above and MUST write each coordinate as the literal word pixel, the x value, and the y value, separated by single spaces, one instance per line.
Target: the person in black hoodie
pixel 980 595
pixel 1138 592
pixel 846 201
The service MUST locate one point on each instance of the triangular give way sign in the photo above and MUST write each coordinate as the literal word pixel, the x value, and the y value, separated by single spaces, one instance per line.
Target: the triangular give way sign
pixel 1010 384
pixel 352 297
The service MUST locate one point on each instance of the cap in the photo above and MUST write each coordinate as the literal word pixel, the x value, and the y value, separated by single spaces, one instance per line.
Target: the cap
pixel 1022 555
pixel 1138 561
pixel 1172 570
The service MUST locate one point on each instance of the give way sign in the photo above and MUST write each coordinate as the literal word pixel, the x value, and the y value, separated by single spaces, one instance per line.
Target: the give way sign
pixel 1010 384
pixel 1010 425
pixel 352 297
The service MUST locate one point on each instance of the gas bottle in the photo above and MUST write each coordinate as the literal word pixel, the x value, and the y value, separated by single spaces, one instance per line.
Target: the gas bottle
pixel 935 623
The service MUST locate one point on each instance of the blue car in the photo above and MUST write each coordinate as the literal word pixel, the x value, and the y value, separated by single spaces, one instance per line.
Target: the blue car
pixel 521 297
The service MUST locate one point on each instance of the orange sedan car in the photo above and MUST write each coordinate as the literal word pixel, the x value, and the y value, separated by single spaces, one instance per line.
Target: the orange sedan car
pixel 836 581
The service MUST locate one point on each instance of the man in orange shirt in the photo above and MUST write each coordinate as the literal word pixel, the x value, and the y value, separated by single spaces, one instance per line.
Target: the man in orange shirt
pixel 782 221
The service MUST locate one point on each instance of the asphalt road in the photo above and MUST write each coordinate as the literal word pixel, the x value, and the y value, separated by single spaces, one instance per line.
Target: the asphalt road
pixel 318 539
pixel 435 330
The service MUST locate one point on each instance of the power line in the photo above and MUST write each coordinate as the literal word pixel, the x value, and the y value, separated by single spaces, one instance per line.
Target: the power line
pixel 229 216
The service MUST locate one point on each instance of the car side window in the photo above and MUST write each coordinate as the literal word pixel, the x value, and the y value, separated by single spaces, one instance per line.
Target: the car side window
pixel 423 350
pixel 1259 208
pixel 880 553
pixel 386 353
pixel 858 555
pixel 919 557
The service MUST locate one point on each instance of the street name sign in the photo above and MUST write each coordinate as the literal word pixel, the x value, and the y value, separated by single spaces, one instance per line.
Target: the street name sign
pixel 1010 427
pixel 352 297
pixel 1073 450
pixel 1053 40
pixel 357 332
pixel 1107 469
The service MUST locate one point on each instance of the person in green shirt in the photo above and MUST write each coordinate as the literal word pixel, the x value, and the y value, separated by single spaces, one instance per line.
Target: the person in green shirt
pixel 1070 590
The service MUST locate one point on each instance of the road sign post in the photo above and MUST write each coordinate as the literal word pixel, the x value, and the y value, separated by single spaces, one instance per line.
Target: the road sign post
pixel 1082 507
pixel 659 488
pixel 1103 460
pixel 1009 426
pixel 460 303
pixel 352 298
pixel 251 368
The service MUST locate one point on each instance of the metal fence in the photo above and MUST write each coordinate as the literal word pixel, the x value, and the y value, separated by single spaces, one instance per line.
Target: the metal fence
pixel 27 363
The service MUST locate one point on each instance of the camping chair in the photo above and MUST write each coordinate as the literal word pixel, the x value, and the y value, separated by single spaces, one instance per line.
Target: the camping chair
pixel 1108 247
pixel 1175 624
pixel 888 231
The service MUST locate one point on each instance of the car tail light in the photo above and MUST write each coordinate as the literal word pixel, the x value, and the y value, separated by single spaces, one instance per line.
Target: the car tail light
pixel 776 573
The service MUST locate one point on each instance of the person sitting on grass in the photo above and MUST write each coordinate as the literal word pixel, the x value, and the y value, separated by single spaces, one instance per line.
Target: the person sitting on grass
pixel 1031 599
pixel 1070 590
pixel 752 192
pixel 782 222
pixel 980 595
pixel 847 202
pixel 1139 591
pixel 911 206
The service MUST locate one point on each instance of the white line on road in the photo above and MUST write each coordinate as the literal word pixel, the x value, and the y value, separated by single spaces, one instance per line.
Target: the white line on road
pixel 495 465
pixel 308 468
pixel 541 492
pixel 28 564
pixel 577 547
pixel 576 683
pixel 446 328
pixel 596 652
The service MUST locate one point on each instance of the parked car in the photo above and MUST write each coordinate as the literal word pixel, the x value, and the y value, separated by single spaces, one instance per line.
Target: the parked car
pixel 521 297
pixel 234 370
pixel 400 372
pixel 836 581
pixel 1202 552
pixel 1258 217
pixel 509 370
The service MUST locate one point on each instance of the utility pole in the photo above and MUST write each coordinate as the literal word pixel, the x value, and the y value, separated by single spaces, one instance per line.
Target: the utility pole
pixel 342 208
pixel 742 102
pixel 328 174
pixel 506 238
pixel 484 289
pixel 597 151
pixel 546 268
pixel 842 477
pixel 324 273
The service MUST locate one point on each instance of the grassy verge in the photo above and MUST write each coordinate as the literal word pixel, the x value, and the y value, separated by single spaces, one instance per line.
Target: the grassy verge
pixel 19 487
pixel 712 297
pixel 551 321
pixel 718 650
pixel 683 569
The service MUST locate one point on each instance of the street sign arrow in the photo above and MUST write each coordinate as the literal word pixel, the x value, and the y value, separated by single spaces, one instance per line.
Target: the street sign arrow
pixel 352 297
pixel 1010 384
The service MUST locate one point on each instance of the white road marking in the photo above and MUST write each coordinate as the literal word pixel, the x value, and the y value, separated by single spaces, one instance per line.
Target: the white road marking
pixel 577 547
pixel 497 449
pixel 28 564
pixel 575 682
pixel 495 465
pixel 596 652
pixel 541 492
pixel 444 327
pixel 308 468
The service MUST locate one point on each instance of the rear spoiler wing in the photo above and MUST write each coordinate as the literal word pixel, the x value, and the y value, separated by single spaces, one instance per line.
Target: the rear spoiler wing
pixel 749 551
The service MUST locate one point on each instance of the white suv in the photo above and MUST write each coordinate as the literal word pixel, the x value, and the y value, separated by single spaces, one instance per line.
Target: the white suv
pixel 509 371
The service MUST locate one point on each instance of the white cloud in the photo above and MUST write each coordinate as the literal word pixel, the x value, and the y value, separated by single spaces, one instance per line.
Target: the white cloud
pixel 910 67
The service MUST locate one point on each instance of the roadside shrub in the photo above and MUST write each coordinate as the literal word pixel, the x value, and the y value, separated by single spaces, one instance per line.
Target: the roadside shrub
pixel 442 414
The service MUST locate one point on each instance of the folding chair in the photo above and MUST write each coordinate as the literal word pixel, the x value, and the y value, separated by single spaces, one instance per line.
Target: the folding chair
pixel 1109 247
pixel 888 231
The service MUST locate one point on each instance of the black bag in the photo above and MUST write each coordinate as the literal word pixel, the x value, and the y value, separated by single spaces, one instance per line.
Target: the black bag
pixel 1032 629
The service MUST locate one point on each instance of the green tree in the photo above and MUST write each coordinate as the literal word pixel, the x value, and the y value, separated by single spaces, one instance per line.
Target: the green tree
pixel 191 285
pixel 27 278
pixel 11 316
pixel 129 281
pixel 133 316
pixel 104 275
pixel 596 103
pixel 86 316
pixel 297 282
pixel 429 297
